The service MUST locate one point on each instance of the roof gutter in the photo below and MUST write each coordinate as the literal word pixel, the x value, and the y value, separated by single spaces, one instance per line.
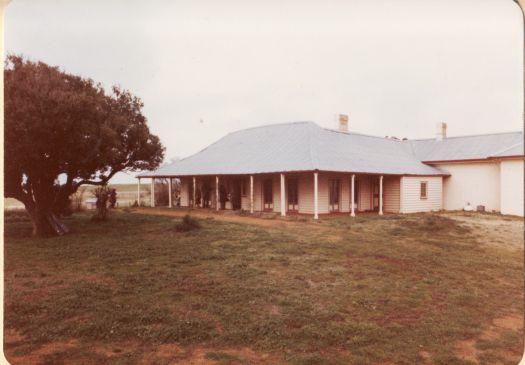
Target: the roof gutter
pixel 291 172
pixel 486 159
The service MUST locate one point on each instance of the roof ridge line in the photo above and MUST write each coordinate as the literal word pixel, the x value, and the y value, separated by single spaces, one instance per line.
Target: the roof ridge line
pixel 360 134
pixel 465 136
pixel 271 125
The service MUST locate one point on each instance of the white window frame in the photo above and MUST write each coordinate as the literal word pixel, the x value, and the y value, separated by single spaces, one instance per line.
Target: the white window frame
pixel 421 196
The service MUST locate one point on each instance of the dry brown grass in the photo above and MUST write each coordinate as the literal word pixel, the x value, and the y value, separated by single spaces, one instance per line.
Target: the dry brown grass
pixel 369 290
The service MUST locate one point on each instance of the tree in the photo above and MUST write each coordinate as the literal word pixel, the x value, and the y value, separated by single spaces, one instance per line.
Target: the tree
pixel 63 131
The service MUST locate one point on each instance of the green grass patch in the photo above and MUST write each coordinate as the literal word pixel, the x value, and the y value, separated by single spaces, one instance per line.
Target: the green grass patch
pixel 388 289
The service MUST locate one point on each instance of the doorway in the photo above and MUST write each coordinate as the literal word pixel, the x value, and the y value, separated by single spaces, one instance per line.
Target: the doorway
pixel 268 194
pixel 334 196
pixel 293 195
pixel 191 203
pixel 375 195
pixel 206 194
pixel 236 194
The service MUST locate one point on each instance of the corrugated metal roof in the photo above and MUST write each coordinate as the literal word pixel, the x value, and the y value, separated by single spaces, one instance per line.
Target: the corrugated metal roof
pixel 354 152
pixel 299 146
pixel 516 150
pixel 467 147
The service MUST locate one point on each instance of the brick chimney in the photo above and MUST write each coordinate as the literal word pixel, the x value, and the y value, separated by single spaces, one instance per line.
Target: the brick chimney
pixel 343 123
pixel 441 131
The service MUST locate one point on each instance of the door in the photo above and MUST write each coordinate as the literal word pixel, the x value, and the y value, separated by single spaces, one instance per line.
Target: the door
pixel 293 195
pixel 206 191
pixel 223 196
pixel 198 196
pixel 375 195
pixel 236 194
pixel 334 196
pixel 191 203
pixel 268 194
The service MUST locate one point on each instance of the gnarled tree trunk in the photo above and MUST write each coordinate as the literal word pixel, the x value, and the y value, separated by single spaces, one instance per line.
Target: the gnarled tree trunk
pixel 45 222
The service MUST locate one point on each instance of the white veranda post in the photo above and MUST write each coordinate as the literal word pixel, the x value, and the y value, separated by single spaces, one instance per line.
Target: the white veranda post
pixel 352 194
pixel 316 196
pixel 217 200
pixel 138 193
pixel 251 194
pixel 169 193
pixel 381 195
pixel 152 192
pixel 283 202
pixel 194 192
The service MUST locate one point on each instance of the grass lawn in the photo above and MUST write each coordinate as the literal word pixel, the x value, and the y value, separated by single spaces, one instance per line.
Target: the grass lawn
pixel 413 289
pixel 126 195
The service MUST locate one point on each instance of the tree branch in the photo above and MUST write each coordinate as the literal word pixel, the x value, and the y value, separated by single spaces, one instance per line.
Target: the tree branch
pixel 104 180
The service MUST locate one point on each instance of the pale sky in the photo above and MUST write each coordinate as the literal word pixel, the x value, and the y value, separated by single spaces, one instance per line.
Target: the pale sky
pixel 207 68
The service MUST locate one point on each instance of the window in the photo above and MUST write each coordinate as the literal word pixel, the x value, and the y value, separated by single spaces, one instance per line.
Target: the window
pixel 423 190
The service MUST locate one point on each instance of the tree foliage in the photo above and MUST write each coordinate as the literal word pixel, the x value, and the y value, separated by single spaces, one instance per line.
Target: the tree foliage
pixel 63 131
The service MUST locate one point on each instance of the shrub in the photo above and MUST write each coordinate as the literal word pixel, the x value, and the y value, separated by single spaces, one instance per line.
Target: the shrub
pixel 161 192
pixel 188 224
pixel 102 195
pixel 436 223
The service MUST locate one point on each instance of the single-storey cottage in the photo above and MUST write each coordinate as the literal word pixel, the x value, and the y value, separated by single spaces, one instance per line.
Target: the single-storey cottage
pixel 303 168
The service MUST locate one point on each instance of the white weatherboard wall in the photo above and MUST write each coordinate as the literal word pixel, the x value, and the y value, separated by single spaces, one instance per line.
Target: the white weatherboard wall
pixel 477 183
pixel 346 187
pixel 184 192
pixel 305 186
pixel 391 193
pixel 364 200
pixel 245 200
pixel 306 193
pixel 257 193
pixel 511 185
pixel 323 192
pixel 411 201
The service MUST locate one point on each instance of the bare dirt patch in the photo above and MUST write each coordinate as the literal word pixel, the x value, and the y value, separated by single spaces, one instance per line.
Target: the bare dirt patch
pixel 149 355
pixel 492 339
pixel 330 233
pixel 201 355
pixel 425 355
pixel 35 357
pixel 231 218
pixel 466 350
pixel 493 229
pixel 511 322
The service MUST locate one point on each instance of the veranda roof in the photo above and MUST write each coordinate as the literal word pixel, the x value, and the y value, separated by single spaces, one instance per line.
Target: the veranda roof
pixel 295 147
